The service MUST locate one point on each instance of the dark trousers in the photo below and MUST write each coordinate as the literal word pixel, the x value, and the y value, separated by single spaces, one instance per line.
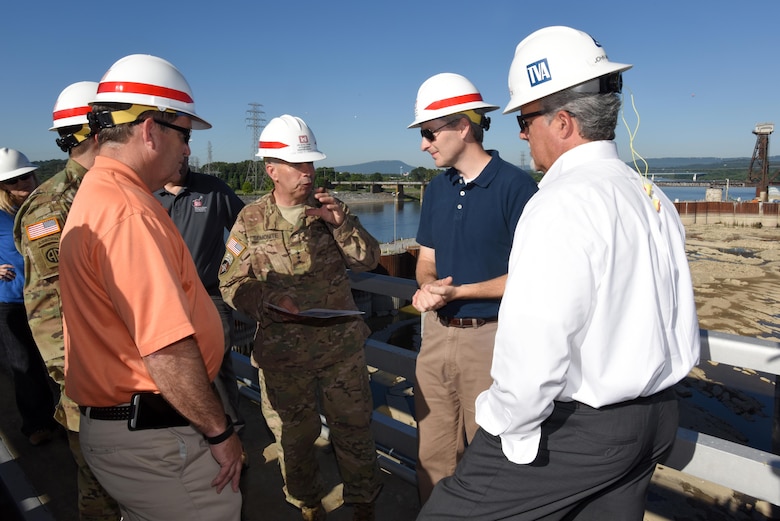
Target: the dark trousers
pixel 33 388
pixel 593 464
pixel 226 379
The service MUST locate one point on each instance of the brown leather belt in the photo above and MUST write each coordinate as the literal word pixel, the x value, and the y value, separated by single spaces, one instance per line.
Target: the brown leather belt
pixel 464 322
pixel 118 413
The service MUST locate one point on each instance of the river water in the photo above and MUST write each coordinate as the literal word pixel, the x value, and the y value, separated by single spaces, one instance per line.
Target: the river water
pixel 388 225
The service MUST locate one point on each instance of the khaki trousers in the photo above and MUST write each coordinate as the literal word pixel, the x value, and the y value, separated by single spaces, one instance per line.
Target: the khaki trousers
pixel 453 367
pixel 157 474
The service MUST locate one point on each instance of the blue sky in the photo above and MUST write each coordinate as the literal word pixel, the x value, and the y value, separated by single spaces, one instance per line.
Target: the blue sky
pixel 704 72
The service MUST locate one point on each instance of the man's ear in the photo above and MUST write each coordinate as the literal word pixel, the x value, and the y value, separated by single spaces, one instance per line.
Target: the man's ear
pixel 565 124
pixel 150 132
pixel 270 169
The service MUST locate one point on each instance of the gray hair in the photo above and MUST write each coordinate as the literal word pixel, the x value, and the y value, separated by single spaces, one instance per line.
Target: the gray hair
pixel 596 113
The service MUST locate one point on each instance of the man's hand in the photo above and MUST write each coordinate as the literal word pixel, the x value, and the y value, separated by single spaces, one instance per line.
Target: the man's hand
pixel 230 456
pixel 330 211
pixel 288 305
pixel 434 295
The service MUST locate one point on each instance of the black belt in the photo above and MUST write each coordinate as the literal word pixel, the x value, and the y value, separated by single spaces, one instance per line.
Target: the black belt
pixel 464 322
pixel 118 413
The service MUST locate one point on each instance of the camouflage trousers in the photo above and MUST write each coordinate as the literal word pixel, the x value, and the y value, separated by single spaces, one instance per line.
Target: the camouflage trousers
pixel 94 502
pixel 291 402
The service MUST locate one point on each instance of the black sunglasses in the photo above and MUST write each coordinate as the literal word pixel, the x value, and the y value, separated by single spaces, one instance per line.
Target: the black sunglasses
pixel 525 119
pixel 15 180
pixel 185 132
pixel 430 135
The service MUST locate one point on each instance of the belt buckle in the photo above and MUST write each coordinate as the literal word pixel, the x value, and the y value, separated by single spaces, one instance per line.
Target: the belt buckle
pixel 464 323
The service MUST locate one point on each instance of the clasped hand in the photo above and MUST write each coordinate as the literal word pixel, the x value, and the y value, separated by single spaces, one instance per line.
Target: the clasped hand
pixel 434 295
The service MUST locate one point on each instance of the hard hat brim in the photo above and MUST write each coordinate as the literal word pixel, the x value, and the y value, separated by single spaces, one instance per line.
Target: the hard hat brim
pixel 5 176
pixel 482 107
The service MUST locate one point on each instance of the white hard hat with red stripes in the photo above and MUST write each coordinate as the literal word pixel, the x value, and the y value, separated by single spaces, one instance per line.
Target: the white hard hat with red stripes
pixel 448 93
pixel 69 117
pixel 72 105
pixel 150 83
pixel 290 139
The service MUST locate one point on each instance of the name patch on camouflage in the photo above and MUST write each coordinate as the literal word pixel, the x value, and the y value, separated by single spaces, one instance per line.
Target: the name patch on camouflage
pixel 235 246
pixel 43 228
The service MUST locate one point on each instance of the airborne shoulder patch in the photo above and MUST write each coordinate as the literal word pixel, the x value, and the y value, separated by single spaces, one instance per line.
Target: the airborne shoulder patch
pixel 235 246
pixel 43 228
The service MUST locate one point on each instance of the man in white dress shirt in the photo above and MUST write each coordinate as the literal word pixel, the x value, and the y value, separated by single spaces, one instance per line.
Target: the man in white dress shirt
pixel 598 320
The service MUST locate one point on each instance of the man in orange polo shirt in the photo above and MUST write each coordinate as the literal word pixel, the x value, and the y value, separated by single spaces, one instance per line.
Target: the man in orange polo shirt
pixel 143 341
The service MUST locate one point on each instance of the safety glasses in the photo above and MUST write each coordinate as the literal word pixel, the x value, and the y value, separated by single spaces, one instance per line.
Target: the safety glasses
pixel 430 135
pixel 525 119
pixel 15 180
pixel 185 132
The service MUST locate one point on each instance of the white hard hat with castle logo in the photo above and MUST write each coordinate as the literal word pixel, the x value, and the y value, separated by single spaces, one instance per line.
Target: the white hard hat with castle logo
pixel 290 139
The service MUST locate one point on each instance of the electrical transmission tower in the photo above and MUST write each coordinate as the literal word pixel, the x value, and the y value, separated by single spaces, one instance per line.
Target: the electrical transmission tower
pixel 256 122
pixel 210 170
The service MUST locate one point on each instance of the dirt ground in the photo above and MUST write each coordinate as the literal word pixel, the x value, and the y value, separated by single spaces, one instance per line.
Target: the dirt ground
pixel 736 277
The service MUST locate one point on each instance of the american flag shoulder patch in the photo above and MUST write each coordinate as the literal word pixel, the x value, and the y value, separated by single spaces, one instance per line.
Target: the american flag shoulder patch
pixel 43 228
pixel 235 246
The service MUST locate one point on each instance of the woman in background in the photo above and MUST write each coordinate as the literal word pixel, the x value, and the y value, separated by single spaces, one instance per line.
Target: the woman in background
pixel 35 397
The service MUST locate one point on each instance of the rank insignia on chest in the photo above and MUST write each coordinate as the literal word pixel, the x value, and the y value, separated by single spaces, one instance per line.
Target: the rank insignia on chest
pixel 43 229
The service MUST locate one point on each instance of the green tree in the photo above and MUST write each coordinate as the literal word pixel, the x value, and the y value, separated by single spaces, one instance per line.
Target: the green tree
pixel 417 174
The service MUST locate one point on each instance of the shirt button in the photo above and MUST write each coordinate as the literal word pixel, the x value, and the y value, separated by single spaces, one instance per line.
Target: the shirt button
pixel 462 193
pixel 460 207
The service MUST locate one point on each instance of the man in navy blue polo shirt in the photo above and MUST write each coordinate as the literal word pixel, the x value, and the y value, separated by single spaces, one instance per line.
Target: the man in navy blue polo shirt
pixel 204 209
pixel 466 229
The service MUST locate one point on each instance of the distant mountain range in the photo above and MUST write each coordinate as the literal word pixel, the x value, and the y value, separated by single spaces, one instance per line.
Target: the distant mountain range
pixel 383 167
pixel 391 167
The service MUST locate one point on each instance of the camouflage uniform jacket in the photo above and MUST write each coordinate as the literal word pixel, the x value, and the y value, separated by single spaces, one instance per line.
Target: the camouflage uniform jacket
pixel 37 231
pixel 267 258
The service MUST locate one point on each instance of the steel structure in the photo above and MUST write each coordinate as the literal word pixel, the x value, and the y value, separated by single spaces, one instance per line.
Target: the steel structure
pixel 759 164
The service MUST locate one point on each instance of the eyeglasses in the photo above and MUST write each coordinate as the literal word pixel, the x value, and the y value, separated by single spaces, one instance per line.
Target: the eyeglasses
pixel 430 135
pixel 525 119
pixel 15 180
pixel 185 132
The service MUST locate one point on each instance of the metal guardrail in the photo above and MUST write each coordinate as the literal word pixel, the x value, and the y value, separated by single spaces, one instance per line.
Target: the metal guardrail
pixel 742 468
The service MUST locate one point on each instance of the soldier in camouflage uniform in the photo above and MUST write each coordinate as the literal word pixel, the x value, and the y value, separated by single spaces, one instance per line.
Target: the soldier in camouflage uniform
pixel 37 230
pixel 291 249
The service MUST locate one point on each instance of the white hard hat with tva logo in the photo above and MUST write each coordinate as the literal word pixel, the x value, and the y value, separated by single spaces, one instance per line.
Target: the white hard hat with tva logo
pixel 557 58
pixel 290 139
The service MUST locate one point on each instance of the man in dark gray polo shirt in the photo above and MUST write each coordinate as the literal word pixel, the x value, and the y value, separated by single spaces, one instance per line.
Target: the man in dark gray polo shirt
pixel 204 209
